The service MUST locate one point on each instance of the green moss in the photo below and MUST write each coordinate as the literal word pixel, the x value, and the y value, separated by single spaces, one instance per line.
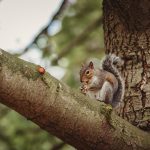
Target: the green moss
pixel 46 80
pixel 17 65
pixel 106 110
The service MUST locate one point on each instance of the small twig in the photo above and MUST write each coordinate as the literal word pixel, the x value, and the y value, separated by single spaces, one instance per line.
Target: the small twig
pixel 78 39
pixel 44 30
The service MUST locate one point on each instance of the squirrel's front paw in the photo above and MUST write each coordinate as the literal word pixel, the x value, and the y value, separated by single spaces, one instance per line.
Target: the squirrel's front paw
pixel 83 90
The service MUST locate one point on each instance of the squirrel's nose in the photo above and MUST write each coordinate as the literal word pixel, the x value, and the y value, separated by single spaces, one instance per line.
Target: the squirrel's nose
pixel 83 82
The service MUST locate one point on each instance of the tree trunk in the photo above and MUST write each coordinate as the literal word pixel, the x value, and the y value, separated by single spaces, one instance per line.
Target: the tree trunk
pixel 86 124
pixel 127 33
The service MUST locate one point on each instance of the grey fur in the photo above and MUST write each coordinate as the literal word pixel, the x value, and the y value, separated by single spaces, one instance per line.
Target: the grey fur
pixel 109 65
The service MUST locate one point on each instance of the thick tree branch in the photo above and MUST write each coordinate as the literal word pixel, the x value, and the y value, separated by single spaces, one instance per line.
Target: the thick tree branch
pixel 56 108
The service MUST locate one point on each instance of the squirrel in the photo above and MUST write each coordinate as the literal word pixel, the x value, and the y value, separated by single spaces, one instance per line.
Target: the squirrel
pixel 105 84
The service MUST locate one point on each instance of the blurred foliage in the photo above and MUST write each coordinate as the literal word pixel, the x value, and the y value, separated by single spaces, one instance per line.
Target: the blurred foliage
pixel 16 132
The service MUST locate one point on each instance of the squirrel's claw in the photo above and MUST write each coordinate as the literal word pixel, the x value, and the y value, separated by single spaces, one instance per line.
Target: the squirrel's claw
pixel 84 89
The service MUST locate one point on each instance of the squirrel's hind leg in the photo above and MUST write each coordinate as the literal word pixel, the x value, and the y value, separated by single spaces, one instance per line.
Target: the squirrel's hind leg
pixel 106 93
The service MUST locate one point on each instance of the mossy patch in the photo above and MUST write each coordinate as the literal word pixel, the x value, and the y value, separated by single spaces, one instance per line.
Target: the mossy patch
pixel 16 65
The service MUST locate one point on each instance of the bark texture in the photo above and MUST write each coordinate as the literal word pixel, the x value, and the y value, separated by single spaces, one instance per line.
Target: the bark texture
pixel 127 33
pixel 86 124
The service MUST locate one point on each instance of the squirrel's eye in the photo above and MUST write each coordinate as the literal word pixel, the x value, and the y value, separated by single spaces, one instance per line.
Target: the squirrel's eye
pixel 87 72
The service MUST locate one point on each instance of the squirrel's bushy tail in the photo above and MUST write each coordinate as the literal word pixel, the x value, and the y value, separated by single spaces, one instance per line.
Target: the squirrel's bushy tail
pixel 109 65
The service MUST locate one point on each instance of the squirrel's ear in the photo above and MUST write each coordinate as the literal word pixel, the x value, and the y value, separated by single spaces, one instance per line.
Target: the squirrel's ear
pixel 91 65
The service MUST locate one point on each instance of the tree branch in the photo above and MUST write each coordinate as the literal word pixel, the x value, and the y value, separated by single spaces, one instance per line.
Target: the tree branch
pixel 78 39
pixel 44 30
pixel 67 114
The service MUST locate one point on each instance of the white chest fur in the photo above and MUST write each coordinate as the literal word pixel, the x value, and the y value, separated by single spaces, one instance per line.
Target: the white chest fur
pixel 94 80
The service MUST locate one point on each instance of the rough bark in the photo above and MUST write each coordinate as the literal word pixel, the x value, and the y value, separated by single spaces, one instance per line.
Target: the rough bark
pixel 127 33
pixel 86 124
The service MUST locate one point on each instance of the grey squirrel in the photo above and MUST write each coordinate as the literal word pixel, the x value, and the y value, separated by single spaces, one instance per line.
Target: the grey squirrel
pixel 106 83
